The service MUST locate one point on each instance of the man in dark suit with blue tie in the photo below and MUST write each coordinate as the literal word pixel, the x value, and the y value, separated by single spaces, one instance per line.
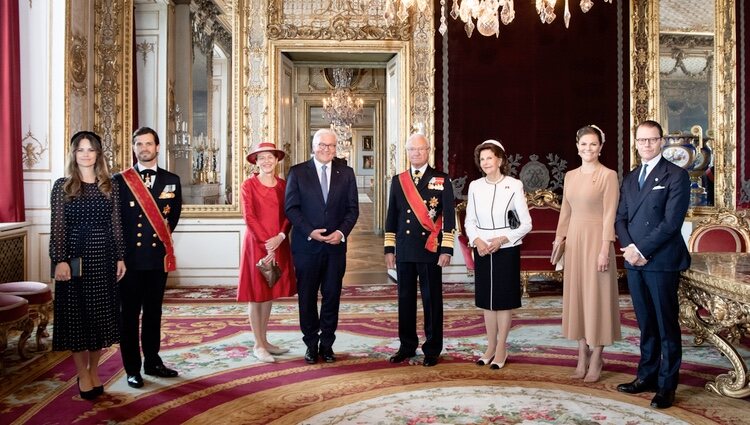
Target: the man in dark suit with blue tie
pixel 322 205
pixel 654 199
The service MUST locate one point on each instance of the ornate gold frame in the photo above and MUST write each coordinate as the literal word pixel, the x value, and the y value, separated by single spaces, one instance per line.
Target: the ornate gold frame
pixel 644 96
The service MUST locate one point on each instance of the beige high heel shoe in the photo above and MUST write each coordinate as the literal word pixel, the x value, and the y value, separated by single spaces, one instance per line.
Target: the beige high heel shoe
pixel 263 355
pixel 593 375
pixel 498 366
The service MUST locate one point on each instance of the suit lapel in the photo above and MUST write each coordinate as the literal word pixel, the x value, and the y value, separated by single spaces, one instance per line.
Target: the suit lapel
pixel 659 175
pixel 334 183
pixel 425 178
pixel 160 182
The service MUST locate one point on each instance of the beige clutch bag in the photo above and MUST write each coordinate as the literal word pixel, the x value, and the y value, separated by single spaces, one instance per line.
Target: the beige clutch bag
pixel 558 251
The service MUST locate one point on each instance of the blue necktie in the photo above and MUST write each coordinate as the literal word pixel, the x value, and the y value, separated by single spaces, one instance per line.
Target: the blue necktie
pixel 642 178
pixel 324 183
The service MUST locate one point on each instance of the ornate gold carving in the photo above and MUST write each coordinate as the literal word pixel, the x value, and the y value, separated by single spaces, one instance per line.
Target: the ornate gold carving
pixel 543 199
pixel 255 89
pixel 111 88
pixel 78 65
pixel 32 150
pixel 392 155
pixel 23 324
pixel 726 77
pixel 331 20
pixel 144 48
pixel 716 308
pixel 422 89
pixel 644 30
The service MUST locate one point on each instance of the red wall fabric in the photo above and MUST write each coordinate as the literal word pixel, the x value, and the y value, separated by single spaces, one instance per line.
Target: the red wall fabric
pixel 11 167
pixel 534 86
pixel 743 112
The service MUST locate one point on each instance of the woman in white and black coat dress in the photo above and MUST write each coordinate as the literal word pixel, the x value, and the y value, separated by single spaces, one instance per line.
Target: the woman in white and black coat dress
pixel 496 239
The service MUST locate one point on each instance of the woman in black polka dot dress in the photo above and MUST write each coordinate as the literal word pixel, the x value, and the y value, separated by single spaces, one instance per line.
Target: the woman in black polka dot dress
pixel 86 224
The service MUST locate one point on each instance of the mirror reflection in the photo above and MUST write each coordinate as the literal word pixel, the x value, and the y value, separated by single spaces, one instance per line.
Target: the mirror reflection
pixel 686 90
pixel 195 90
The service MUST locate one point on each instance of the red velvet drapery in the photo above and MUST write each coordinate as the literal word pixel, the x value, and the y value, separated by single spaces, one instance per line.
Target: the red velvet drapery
pixel 11 168
pixel 533 87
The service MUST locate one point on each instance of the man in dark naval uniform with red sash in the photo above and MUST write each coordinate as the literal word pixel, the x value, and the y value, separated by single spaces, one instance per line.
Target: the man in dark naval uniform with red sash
pixel 151 202
pixel 419 231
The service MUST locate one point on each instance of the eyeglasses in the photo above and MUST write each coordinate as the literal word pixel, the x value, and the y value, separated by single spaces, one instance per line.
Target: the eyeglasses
pixel 643 141
pixel 323 146
pixel 422 149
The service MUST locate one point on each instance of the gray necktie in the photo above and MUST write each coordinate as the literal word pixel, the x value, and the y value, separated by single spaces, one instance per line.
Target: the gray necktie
pixel 642 178
pixel 324 183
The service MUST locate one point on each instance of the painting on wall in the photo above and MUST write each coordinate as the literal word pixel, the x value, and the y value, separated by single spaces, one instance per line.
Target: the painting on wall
pixel 367 162
pixel 366 143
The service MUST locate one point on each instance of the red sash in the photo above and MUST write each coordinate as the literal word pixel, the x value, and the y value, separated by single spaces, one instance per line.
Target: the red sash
pixel 420 210
pixel 149 207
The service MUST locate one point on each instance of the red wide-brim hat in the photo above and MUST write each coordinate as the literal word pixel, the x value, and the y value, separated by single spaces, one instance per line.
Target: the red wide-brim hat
pixel 265 147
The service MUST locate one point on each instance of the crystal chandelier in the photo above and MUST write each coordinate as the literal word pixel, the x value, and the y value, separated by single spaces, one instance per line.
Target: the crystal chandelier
pixel 340 108
pixel 484 12
pixel 400 9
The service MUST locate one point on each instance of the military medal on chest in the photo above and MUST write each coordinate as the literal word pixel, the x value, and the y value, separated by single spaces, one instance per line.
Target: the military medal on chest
pixel 436 183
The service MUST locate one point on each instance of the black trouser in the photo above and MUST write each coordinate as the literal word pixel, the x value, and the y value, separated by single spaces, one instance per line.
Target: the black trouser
pixel 321 272
pixel 430 277
pixel 141 290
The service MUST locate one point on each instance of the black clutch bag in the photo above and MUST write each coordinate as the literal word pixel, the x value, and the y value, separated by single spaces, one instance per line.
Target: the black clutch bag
pixel 76 267
pixel 513 221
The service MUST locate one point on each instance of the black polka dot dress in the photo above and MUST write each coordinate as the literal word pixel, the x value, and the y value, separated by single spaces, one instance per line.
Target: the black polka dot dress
pixel 86 308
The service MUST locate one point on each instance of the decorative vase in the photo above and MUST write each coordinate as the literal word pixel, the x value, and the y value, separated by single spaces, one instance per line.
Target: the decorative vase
pixel 689 151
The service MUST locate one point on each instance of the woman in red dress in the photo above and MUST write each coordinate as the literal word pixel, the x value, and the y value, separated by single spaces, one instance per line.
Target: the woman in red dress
pixel 265 240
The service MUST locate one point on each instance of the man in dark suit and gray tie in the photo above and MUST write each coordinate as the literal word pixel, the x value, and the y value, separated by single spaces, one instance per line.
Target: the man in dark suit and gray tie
pixel 322 205
pixel 654 199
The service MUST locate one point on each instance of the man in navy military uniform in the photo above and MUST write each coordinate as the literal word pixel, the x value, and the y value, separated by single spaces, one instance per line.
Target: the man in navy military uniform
pixel 151 203
pixel 419 231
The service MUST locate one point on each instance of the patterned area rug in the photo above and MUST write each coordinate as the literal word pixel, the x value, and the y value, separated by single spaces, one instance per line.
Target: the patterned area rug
pixel 220 381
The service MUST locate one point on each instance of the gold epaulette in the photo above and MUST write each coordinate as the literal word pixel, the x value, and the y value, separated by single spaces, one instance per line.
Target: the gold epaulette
pixel 448 238
pixel 390 239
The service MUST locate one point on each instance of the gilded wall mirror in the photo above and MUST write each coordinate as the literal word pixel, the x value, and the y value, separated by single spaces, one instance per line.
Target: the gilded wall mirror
pixel 684 77
pixel 178 78
pixel 186 67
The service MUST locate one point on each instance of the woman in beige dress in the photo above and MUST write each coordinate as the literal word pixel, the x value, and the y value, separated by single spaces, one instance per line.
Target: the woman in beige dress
pixel 591 313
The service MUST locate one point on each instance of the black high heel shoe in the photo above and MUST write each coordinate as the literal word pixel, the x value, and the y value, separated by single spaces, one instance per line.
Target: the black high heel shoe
pixel 99 390
pixel 90 394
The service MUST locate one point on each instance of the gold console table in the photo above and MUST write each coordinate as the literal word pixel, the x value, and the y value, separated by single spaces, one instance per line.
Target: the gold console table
pixel 715 305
